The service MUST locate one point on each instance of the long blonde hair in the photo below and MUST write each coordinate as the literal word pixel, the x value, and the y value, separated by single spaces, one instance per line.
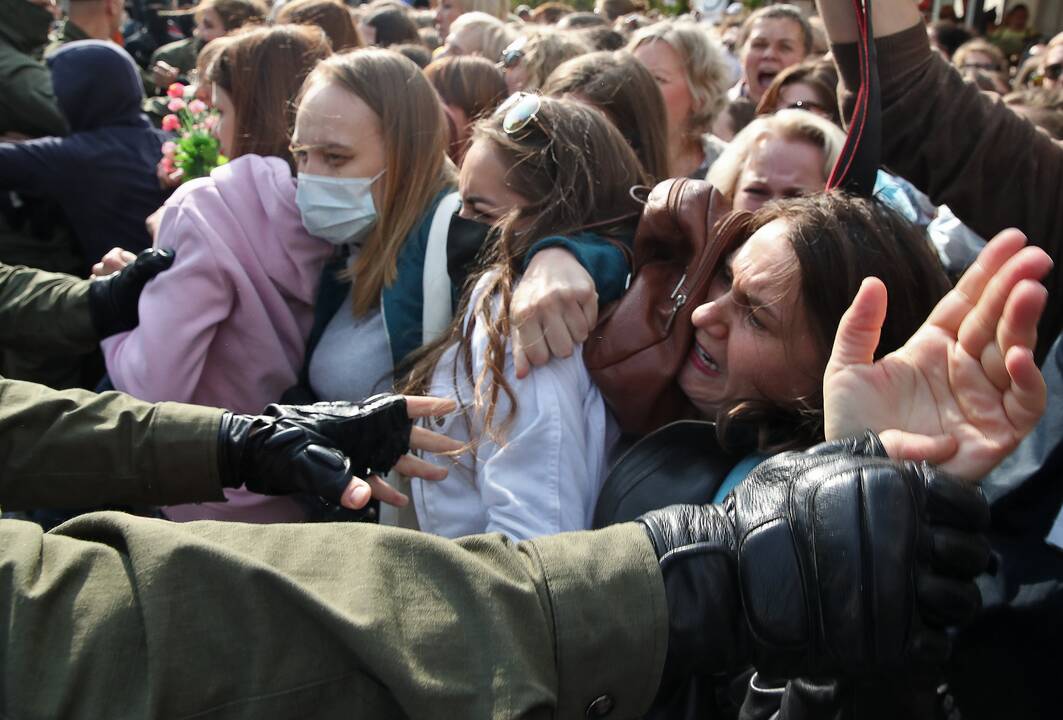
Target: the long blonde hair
pixel 415 142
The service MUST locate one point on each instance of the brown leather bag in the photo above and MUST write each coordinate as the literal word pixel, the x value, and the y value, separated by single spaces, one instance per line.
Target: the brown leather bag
pixel 642 340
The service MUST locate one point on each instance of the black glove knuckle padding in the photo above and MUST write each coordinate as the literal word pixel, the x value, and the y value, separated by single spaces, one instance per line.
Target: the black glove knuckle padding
pixel 827 599
pixel 828 561
pixel 373 434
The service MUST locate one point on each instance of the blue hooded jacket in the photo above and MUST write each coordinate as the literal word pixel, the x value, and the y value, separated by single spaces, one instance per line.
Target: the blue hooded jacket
pixel 103 173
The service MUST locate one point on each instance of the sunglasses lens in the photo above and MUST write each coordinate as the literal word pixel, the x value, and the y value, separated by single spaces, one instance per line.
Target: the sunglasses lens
pixel 1052 72
pixel 520 113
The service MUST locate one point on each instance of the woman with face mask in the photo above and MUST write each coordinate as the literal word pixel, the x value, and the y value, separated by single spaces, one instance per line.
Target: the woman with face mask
pixel 226 325
pixel 374 181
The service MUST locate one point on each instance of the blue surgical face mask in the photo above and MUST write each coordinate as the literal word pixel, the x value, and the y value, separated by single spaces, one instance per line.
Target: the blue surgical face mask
pixel 339 210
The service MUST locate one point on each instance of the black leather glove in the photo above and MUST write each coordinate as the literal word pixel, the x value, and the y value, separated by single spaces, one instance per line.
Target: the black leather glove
pixel 314 448
pixel 113 300
pixel 836 561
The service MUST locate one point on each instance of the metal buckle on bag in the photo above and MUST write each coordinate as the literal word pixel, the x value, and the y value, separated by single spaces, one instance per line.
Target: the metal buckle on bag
pixel 678 301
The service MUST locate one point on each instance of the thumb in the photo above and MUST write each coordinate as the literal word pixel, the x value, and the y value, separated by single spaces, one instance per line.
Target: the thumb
pixel 902 445
pixel 860 328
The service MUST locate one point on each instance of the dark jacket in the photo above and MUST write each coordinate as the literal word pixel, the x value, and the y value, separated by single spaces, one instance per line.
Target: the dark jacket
pixel 27 105
pixel 103 173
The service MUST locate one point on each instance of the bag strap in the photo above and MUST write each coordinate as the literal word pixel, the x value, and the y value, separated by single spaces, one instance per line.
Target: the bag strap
pixel 436 285
pixel 857 165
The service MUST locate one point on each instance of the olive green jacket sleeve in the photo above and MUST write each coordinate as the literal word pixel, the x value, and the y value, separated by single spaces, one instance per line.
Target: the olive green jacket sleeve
pixel 117 616
pixel 45 311
pixel 76 449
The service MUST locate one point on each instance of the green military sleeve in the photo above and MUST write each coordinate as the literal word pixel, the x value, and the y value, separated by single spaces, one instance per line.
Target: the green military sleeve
pixel 48 311
pixel 73 449
pixel 117 616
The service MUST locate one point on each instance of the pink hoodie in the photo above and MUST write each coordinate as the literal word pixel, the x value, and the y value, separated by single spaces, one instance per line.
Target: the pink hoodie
pixel 226 326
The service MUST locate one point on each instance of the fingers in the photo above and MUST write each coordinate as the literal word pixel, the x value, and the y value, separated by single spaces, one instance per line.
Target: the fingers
pixel 979 327
pixel 950 312
pixel 590 314
pixel 944 601
pixel 559 339
pixel 356 495
pixel 955 504
pixel 433 442
pixel 956 553
pixel 1025 400
pixel 412 466
pixel 385 493
pixel 113 261
pixel 860 328
pixel 418 406
pixel 520 359
pixel 918 448
pixel 532 339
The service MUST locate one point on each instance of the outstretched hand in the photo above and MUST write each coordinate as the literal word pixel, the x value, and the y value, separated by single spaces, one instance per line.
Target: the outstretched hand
pixel 964 390
pixel 360 491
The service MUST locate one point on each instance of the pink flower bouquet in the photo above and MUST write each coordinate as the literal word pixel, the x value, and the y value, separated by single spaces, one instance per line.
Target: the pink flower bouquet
pixel 196 150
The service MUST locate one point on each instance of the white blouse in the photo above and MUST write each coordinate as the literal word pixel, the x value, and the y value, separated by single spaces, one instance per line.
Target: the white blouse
pixel 544 478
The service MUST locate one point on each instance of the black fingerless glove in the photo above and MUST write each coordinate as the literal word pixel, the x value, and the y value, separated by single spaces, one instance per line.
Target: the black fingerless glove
pixel 836 561
pixel 113 300
pixel 313 449
pixel 374 434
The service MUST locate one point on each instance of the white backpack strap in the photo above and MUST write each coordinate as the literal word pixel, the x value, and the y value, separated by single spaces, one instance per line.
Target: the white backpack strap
pixel 435 318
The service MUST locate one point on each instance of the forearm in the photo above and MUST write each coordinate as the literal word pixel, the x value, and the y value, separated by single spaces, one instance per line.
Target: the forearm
pixel 45 311
pixel 361 620
pixel 888 17
pixel 74 449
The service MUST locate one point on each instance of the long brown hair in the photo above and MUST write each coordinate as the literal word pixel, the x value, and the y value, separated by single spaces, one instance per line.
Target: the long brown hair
pixel 415 141
pixel 576 172
pixel 838 240
pixel 262 70
pixel 332 16
pixel 621 87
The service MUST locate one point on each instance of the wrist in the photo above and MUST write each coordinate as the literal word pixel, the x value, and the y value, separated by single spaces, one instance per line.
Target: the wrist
pixel 234 432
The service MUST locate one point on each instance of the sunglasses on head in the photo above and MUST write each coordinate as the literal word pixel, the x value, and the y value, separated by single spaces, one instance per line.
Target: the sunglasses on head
pixel 518 110
pixel 513 53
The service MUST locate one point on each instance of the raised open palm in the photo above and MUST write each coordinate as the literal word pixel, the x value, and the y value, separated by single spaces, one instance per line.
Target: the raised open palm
pixel 964 390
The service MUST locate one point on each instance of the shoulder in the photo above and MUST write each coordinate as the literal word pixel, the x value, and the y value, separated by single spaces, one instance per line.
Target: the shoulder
pixel 178 47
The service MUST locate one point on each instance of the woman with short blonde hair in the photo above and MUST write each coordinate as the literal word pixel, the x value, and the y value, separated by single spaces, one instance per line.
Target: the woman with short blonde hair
pixel 693 76
pixel 477 33
pixel 783 155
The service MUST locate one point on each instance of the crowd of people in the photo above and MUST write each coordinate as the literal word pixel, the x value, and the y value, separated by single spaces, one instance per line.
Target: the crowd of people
pixel 615 248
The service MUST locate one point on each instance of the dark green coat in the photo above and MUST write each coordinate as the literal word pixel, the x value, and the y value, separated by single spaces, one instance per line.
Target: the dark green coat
pixel 27 103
